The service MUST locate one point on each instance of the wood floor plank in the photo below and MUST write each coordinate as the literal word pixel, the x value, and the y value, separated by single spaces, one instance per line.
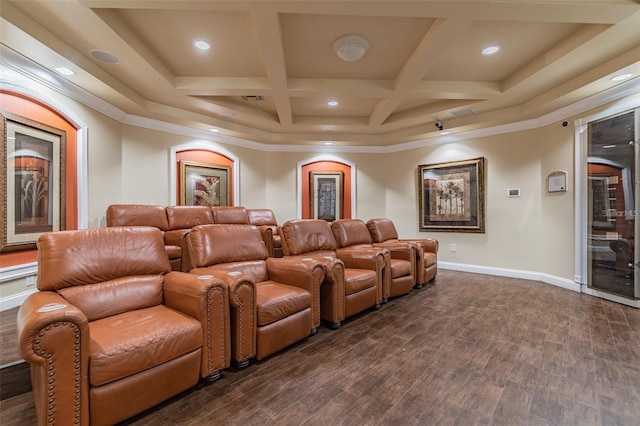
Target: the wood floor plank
pixel 469 350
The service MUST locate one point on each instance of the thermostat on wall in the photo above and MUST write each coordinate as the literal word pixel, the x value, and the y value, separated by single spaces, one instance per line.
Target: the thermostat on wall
pixel 513 192
pixel 558 181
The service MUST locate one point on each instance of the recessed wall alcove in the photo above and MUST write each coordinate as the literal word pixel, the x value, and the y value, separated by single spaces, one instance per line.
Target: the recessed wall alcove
pixel 326 163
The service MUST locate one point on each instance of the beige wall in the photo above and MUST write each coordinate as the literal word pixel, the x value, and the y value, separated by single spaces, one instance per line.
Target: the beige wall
pixel 534 233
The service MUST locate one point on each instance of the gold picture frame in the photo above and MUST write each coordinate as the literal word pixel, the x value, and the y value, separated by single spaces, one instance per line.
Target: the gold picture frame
pixel 326 195
pixel 451 196
pixel 204 184
pixel 33 181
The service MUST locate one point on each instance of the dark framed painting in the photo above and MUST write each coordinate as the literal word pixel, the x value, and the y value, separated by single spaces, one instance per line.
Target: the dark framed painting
pixel 326 195
pixel 204 184
pixel 451 196
pixel 33 181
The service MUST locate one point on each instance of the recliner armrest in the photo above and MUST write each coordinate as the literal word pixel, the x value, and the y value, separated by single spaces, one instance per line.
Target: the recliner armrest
pixel 205 298
pixel 53 338
pixel 307 274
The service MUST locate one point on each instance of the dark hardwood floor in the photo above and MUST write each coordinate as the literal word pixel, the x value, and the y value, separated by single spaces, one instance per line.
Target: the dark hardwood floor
pixel 469 350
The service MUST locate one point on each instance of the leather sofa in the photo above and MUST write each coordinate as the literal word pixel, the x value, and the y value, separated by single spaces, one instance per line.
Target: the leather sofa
pixel 399 271
pixel 353 278
pixel 113 331
pixel 383 231
pixel 274 302
pixel 266 222
pixel 180 220
pixel 230 215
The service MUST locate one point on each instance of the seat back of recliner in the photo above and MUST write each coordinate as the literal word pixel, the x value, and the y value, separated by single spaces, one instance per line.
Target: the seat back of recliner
pixel 307 235
pixel 382 230
pixel 186 217
pixel 262 217
pixel 230 215
pixel 137 215
pixel 104 271
pixel 351 232
pixel 229 248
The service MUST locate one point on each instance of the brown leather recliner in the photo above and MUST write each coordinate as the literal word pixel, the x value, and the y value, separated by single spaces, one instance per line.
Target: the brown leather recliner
pixel 399 271
pixel 383 230
pixel 353 278
pixel 181 219
pixel 266 222
pixel 274 302
pixel 113 331
pixel 145 215
pixel 230 215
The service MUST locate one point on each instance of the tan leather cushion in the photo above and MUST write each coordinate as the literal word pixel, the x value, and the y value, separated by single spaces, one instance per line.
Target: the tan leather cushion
pixel 173 252
pixel 382 229
pixel 275 301
pixel 214 244
pixel 186 217
pixel 90 256
pixel 358 279
pixel 230 215
pixel 430 259
pixel 135 341
pixel 261 217
pixel 350 232
pixel 400 268
pixel 307 235
pixel 137 215
pixel 116 296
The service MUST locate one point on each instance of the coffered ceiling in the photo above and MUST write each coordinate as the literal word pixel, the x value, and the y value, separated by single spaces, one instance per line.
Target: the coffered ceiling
pixel 271 70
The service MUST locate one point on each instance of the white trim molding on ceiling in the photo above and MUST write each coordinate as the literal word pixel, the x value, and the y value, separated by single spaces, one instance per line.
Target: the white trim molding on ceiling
pixel 41 76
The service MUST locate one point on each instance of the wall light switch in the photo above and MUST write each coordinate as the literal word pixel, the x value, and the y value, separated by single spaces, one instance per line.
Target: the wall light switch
pixel 454 247
pixel 30 280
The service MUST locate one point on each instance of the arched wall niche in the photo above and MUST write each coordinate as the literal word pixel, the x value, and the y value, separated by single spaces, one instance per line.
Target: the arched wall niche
pixel 326 163
pixel 202 153
pixel 33 105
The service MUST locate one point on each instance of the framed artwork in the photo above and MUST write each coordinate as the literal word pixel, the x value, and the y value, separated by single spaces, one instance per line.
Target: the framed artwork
pixel 451 196
pixel 326 195
pixel 33 181
pixel 204 184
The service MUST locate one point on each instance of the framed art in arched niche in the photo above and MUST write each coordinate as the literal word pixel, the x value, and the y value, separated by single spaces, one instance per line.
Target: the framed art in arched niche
pixel 326 190
pixel 204 178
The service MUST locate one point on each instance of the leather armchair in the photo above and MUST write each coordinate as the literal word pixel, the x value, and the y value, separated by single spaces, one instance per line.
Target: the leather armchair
pixel 113 331
pixel 383 231
pixel 353 278
pixel 266 222
pixel 400 258
pixel 274 302
pixel 145 215
pixel 180 220
pixel 230 215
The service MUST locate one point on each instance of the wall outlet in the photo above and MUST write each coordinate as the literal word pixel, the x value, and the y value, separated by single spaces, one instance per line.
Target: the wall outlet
pixel 454 248
pixel 30 280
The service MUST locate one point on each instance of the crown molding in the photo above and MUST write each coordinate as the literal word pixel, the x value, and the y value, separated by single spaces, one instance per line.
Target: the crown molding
pixel 35 73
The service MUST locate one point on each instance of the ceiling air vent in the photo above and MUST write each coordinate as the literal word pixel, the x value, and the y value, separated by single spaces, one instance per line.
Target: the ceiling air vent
pixel 464 112
pixel 253 98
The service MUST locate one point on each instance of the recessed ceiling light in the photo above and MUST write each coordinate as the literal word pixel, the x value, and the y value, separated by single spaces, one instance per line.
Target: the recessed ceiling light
pixel 202 45
pixel 444 133
pixel 214 130
pixel 65 71
pixel 621 77
pixel 332 103
pixel 490 50
pixel 328 143
pixel 106 57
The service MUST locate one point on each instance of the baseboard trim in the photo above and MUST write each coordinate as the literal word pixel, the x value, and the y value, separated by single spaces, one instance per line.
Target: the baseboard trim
pixel 15 300
pixel 512 273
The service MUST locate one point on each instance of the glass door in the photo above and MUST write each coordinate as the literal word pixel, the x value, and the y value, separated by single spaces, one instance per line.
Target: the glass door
pixel 613 205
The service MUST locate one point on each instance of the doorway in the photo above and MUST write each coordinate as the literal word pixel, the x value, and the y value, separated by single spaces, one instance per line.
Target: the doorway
pixel 612 205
